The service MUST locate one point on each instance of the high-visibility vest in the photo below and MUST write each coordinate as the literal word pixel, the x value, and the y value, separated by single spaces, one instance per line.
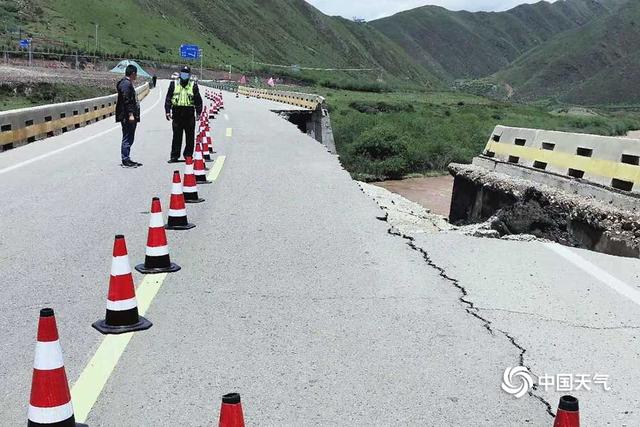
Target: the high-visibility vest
pixel 182 96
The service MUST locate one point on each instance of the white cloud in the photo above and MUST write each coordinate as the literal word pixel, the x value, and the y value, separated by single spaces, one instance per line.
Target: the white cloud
pixel 372 9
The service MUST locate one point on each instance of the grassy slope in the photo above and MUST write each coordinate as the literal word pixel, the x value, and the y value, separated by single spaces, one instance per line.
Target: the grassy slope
pixel 279 31
pixel 470 45
pixel 598 64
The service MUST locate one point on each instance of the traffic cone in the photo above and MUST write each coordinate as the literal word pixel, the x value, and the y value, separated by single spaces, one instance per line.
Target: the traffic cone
pixel 198 167
pixel 189 186
pixel 122 306
pixel 206 150
pixel 231 411
pixel 568 414
pixel 206 137
pixel 50 402
pixel 157 258
pixel 177 219
pixel 199 148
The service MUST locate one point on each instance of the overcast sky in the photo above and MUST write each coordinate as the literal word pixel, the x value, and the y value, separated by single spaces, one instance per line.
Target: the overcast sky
pixel 372 9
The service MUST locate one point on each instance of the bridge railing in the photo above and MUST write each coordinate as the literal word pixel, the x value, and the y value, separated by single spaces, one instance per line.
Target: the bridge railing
pixel 608 161
pixel 21 126
pixel 303 100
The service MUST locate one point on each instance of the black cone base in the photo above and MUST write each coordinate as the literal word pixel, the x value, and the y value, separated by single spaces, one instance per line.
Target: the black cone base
pixel 172 268
pixel 102 327
pixel 70 422
pixel 187 226
pixel 204 182
pixel 199 200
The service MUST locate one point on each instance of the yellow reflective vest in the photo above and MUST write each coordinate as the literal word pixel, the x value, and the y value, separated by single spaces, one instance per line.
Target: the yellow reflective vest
pixel 182 96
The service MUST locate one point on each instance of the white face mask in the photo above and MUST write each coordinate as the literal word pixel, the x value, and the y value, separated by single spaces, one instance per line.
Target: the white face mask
pixel 185 76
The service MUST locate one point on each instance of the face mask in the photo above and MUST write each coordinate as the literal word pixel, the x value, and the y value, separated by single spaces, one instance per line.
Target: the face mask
pixel 184 76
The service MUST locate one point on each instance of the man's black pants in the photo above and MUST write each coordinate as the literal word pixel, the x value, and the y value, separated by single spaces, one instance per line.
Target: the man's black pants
pixel 184 121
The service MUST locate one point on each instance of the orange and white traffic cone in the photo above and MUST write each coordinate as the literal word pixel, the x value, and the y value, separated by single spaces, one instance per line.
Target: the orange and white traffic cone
pixel 189 184
pixel 206 156
pixel 206 137
pixel 177 219
pixel 157 259
pixel 50 402
pixel 122 307
pixel 231 411
pixel 568 414
pixel 198 166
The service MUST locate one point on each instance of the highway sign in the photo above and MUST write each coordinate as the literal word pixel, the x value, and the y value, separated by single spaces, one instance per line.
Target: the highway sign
pixel 189 51
pixel 25 43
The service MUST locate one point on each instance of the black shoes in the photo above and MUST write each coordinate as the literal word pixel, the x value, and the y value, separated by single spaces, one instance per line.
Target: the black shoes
pixel 136 163
pixel 173 161
pixel 129 164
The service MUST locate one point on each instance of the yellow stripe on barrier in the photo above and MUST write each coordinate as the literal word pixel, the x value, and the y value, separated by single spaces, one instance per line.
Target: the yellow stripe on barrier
pixel 600 167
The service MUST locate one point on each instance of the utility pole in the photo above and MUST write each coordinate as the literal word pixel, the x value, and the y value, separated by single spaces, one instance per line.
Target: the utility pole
pixel 229 71
pixel 201 55
pixel 253 59
pixel 76 60
pixel 96 37
pixel 30 56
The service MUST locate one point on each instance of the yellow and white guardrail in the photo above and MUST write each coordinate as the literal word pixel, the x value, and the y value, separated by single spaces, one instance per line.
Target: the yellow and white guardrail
pixel 28 124
pixel 608 161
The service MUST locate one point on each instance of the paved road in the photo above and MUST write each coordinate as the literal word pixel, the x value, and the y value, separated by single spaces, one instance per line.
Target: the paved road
pixel 291 292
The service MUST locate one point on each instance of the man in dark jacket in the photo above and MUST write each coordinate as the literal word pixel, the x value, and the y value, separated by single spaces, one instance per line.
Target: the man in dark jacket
pixel 182 104
pixel 128 113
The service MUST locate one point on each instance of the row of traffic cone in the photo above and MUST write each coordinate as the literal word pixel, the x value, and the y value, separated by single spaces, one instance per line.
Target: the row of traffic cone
pixel 50 402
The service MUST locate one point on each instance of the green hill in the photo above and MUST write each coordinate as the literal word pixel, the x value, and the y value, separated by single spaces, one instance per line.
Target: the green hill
pixel 472 45
pixel 598 64
pixel 230 31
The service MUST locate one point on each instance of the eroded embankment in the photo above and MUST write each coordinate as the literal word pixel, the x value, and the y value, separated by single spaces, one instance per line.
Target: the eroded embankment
pixel 517 206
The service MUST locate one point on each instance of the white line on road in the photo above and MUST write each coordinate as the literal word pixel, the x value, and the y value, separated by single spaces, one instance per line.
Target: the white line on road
pixel 226 117
pixel 75 144
pixel 616 284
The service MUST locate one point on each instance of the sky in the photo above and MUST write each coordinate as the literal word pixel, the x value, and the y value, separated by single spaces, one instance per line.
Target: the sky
pixel 372 9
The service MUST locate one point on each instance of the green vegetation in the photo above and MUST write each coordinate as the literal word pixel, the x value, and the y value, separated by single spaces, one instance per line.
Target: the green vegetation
pixel 387 136
pixel 597 64
pixel 24 96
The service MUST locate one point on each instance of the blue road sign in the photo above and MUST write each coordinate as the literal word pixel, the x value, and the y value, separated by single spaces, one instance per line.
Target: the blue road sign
pixel 189 51
pixel 25 43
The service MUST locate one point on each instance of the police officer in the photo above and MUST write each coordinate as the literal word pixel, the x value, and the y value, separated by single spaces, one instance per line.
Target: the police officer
pixel 182 104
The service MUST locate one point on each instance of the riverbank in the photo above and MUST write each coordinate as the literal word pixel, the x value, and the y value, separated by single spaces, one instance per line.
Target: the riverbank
pixel 432 193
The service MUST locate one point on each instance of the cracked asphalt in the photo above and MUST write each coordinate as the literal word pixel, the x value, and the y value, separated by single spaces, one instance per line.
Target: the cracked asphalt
pixel 293 292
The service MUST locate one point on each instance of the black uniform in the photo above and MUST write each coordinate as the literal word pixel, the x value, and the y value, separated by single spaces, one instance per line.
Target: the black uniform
pixel 184 120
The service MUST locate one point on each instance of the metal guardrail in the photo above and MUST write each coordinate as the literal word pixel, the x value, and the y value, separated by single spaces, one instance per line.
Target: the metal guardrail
pixel 607 161
pixel 18 127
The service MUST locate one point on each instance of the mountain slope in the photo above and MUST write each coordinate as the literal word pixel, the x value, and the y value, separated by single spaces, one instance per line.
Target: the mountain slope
pixel 230 31
pixel 599 63
pixel 471 45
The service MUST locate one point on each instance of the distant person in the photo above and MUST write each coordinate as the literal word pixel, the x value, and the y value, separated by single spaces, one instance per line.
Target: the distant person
pixel 182 104
pixel 154 79
pixel 128 113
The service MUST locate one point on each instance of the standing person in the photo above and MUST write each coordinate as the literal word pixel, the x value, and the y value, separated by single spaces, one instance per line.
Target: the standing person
pixel 154 80
pixel 128 113
pixel 182 104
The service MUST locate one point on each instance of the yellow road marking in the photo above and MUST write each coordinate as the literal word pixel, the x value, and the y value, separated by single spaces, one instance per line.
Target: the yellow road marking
pixel 87 389
pixel 216 168
pixel 229 132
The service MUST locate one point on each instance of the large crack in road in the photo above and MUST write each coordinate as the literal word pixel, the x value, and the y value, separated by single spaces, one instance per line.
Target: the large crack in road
pixel 470 307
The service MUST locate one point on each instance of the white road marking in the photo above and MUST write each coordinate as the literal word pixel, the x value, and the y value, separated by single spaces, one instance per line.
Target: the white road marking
pixel 616 284
pixel 75 144
pixel 226 117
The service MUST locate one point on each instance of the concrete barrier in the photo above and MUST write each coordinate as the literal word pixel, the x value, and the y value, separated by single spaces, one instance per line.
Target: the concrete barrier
pixel 607 161
pixel 25 125
pixel 303 100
